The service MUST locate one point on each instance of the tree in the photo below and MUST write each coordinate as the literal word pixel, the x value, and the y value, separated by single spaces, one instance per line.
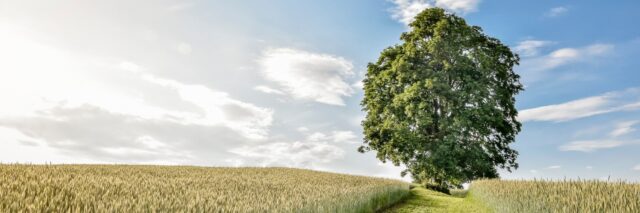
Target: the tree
pixel 443 102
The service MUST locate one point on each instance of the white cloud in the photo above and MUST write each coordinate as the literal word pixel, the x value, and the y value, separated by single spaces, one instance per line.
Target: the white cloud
pixel 528 48
pixel 533 171
pixel 358 85
pixel 268 90
pixel 180 6
pixel 637 167
pixel 627 100
pixel 218 108
pixel 406 10
pixel 334 136
pixel 296 154
pixel 554 167
pixel 589 167
pixel 461 6
pixel 567 111
pixel 567 55
pixel 593 145
pixel 184 48
pixel 316 149
pixel 535 68
pixel 556 11
pixel 344 137
pixel 105 110
pixel 302 129
pixel 308 76
pixel 620 129
pixel 623 128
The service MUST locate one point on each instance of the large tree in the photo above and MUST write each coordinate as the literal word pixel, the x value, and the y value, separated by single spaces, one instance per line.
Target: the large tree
pixel 443 102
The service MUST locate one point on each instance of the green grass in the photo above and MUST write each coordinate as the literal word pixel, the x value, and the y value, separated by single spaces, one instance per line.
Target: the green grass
pixel 121 188
pixel 424 200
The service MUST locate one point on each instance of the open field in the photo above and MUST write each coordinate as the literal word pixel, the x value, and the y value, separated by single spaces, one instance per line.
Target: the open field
pixel 527 196
pixel 90 188
pixel 557 196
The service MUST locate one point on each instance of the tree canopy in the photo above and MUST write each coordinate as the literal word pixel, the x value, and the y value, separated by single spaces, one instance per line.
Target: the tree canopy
pixel 443 102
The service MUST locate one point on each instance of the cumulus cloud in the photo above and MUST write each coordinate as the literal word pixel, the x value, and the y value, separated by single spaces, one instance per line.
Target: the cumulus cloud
pixel 556 11
pixel 529 48
pixel 117 111
pixel 406 10
pixel 96 133
pixel 627 100
pixel 308 76
pixel 554 167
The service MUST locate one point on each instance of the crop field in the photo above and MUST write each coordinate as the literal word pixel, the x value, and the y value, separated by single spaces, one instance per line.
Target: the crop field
pixel 110 188
pixel 557 196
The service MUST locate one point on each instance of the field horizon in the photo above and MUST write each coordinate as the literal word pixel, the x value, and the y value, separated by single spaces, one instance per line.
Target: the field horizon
pixel 61 187
pixel 135 187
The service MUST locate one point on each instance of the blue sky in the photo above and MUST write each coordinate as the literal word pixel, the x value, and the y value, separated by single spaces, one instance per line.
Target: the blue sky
pixel 276 83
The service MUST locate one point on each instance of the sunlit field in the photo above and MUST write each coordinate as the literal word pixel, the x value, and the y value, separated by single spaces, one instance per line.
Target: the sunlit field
pixel 108 188
pixel 557 196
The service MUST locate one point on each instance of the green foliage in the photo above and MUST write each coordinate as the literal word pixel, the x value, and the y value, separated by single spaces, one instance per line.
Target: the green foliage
pixel 437 188
pixel 442 102
pixel 101 188
pixel 424 200
pixel 557 196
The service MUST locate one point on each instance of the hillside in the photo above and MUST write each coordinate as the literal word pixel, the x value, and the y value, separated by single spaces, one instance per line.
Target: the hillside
pixel 88 188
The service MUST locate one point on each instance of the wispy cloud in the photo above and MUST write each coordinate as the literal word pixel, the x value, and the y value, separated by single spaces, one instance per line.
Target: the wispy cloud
pixel 564 56
pixel 593 145
pixel 335 136
pixel 623 128
pixel 308 76
pixel 184 48
pixel 637 167
pixel 556 11
pixel 406 10
pixel 554 167
pixel 535 68
pixel 268 90
pixel 606 103
pixel 529 48
pixel 316 149
pixel 117 111
pixel 613 140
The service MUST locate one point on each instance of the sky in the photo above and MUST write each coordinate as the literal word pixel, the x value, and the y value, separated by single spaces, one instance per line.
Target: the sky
pixel 278 83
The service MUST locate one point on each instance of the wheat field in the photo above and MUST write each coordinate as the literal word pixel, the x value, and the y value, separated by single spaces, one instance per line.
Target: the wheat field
pixel 557 196
pixel 122 188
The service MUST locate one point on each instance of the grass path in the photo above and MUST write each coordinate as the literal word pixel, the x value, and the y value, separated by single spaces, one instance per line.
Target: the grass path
pixel 424 200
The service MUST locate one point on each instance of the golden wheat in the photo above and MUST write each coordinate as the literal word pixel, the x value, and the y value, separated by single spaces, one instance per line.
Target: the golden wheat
pixel 105 188
pixel 557 196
